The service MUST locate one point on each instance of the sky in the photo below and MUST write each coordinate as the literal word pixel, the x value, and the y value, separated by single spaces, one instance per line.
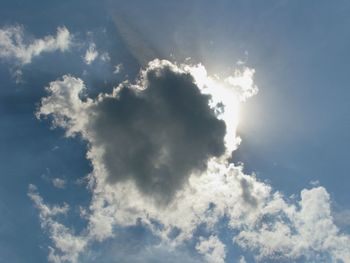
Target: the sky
pixel 174 131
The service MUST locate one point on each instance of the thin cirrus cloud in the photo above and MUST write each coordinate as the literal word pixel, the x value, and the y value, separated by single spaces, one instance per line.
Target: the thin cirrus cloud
pixel 137 133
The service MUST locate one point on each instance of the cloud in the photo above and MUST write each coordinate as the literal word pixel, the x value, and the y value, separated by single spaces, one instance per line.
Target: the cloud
pixel 242 260
pixel 59 183
pixel 118 68
pixel 64 241
pixel 168 123
pixel 91 54
pixel 16 45
pixel 246 187
pixel 212 249
pixel 132 246
pixel 156 133
pixel 244 81
pixel 306 229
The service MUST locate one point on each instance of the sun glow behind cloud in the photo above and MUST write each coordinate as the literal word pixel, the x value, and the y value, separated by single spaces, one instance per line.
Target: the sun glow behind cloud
pixel 111 205
pixel 228 93
pixel 200 194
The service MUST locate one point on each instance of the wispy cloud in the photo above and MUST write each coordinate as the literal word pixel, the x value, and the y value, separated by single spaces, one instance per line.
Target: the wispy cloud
pixel 118 68
pixel 59 183
pixel 91 54
pixel 62 237
pixel 17 45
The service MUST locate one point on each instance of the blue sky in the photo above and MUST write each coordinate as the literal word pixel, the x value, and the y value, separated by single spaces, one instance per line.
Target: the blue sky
pixel 294 131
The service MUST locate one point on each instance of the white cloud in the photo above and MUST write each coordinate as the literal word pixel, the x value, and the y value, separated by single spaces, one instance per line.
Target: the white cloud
pixel 304 229
pixel 265 221
pixel 64 102
pixel 91 54
pixel 118 68
pixel 15 44
pixel 67 246
pixel 45 211
pixel 59 183
pixel 243 80
pixel 212 249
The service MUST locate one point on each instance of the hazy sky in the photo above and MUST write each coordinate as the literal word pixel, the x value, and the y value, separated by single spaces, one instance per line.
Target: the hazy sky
pixel 174 131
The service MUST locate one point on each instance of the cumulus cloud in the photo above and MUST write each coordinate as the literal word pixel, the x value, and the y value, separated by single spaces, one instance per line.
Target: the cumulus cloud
pixel 306 229
pixel 16 45
pixel 169 135
pixel 156 133
pixel 246 188
pixel 212 249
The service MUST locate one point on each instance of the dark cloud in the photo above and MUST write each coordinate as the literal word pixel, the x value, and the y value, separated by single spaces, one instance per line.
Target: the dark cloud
pixel 160 135
pixel 247 189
